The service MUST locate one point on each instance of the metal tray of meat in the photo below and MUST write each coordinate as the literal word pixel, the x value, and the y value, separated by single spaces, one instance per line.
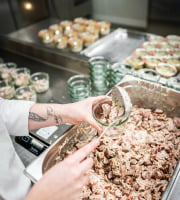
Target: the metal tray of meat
pixel 142 93
pixel 116 46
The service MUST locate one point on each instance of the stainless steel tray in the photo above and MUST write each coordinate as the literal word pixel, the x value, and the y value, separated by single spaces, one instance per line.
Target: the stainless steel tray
pixel 116 46
pixel 142 93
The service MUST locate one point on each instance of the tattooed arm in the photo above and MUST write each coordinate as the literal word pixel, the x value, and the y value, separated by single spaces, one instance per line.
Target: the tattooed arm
pixel 42 115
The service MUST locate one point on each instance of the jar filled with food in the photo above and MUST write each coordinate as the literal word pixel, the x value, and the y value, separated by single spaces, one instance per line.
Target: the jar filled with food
pixel 45 36
pixel 79 87
pixel 88 38
pixel 60 42
pixel 7 90
pixel 135 62
pixel 55 29
pixel 66 25
pixel 99 74
pixel 114 110
pixel 151 62
pixel 104 27
pixel 93 30
pixel 8 70
pixel 78 28
pixel 156 38
pixel 166 70
pixel 81 20
pixel 26 93
pixel 149 74
pixel 75 44
pixel 40 81
pixel 21 77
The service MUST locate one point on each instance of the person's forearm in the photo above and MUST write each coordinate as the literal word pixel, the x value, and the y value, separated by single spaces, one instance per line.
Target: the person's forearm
pixel 42 115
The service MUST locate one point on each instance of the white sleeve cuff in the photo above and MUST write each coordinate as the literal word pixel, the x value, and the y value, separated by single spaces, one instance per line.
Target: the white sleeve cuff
pixel 15 114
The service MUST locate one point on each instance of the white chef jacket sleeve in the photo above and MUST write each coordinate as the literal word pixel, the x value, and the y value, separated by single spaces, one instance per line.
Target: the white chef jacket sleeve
pixel 14 114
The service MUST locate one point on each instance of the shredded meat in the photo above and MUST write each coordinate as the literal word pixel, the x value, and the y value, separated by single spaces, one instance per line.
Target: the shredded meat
pixel 136 160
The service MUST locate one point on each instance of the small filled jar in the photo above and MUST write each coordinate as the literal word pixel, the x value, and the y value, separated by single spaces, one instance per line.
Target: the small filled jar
pixel 149 74
pixel 135 62
pixel 45 36
pixel 80 20
pixel 88 38
pixel 40 81
pixel 60 42
pixel 8 70
pixel 151 62
pixel 78 28
pixel 173 38
pixel 55 29
pixel 104 27
pixel 166 70
pixel 26 93
pixel 156 38
pixel 75 44
pixel 21 77
pixel 7 90
pixel 66 25
pixel 79 87
pixel 140 52
pixel 114 110
pixel 93 29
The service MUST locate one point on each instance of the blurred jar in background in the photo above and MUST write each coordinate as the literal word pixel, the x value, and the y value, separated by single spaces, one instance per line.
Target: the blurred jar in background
pixel 98 71
pixel 79 87
pixel 7 90
pixel 40 81
pixel 26 93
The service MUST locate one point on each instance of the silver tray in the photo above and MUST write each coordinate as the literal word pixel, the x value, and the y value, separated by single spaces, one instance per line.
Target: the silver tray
pixel 142 93
pixel 116 46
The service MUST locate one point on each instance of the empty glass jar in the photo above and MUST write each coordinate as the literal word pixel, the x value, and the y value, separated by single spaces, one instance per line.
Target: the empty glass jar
pixel 99 74
pixel 118 71
pixel 79 87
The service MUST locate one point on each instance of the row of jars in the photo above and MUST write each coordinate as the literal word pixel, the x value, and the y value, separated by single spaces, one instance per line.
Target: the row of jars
pixel 20 84
pixel 103 75
pixel 76 34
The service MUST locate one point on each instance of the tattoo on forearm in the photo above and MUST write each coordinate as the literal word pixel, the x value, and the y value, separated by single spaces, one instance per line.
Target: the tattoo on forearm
pixel 36 117
pixel 50 113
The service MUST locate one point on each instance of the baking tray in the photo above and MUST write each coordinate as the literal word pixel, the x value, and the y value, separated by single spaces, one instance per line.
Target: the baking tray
pixel 116 46
pixel 142 93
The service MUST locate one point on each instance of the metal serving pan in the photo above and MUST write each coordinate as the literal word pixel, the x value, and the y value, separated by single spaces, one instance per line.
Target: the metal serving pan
pixel 142 93
pixel 116 46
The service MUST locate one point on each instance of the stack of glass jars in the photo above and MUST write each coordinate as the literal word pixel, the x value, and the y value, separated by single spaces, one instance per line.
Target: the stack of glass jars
pixel 118 71
pixel 99 71
pixel 79 87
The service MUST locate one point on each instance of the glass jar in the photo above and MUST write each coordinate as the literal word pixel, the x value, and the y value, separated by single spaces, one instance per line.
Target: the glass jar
pixel 75 44
pixel 166 70
pixel 45 36
pixel 99 74
pixel 8 70
pixel 55 29
pixel 60 42
pixel 104 27
pixel 40 81
pixel 26 93
pixel 114 110
pixel 118 71
pixel 66 25
pixel 174 82
pixel 78 28
pixel 149 74
pixel 79 87
pixel 21 77
pixel 7 90
pixel 88 38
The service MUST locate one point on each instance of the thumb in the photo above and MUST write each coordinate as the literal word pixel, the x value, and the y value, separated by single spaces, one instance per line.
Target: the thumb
pixel 95 124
